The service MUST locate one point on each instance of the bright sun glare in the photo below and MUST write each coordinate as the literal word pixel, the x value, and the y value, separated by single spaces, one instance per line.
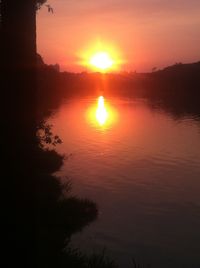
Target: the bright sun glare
pixel 101 113
pixel 100 56
pixel 101 60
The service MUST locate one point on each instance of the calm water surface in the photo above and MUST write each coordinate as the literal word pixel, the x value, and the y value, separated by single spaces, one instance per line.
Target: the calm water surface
pixel 142 168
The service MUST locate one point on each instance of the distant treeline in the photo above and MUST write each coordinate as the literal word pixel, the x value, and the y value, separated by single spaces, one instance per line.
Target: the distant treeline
pixel 177 85
pixel 178 81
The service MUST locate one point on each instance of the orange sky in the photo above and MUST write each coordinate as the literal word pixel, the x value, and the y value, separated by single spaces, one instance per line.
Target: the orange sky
pixel 143 33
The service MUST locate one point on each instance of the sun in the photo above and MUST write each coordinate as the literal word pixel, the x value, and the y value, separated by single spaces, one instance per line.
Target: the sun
pixel 100 56
pixel 101 60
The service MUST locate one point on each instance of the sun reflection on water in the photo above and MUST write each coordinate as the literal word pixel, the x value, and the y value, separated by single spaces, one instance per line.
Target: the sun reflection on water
pixel 101 115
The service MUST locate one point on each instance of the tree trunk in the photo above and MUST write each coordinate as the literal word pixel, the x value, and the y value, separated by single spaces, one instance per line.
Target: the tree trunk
pixel 18 101
pixel 19 67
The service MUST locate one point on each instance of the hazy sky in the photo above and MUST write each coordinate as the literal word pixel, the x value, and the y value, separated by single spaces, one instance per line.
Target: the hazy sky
pixel 146 33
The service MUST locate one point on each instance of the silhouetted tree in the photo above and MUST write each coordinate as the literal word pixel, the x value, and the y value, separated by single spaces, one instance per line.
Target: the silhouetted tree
pixel 39 3
pixel 19 68
pixel 18 95
pixel 37 218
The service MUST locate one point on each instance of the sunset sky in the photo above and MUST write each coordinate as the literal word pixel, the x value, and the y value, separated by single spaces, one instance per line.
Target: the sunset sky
pixel 142 33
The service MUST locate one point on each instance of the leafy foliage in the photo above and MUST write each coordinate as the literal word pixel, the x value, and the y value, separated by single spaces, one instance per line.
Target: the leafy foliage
pixel 40 3
pixel 45 135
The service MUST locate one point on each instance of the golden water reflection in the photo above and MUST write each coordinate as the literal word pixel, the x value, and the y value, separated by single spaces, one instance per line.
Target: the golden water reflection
pixel 101 114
